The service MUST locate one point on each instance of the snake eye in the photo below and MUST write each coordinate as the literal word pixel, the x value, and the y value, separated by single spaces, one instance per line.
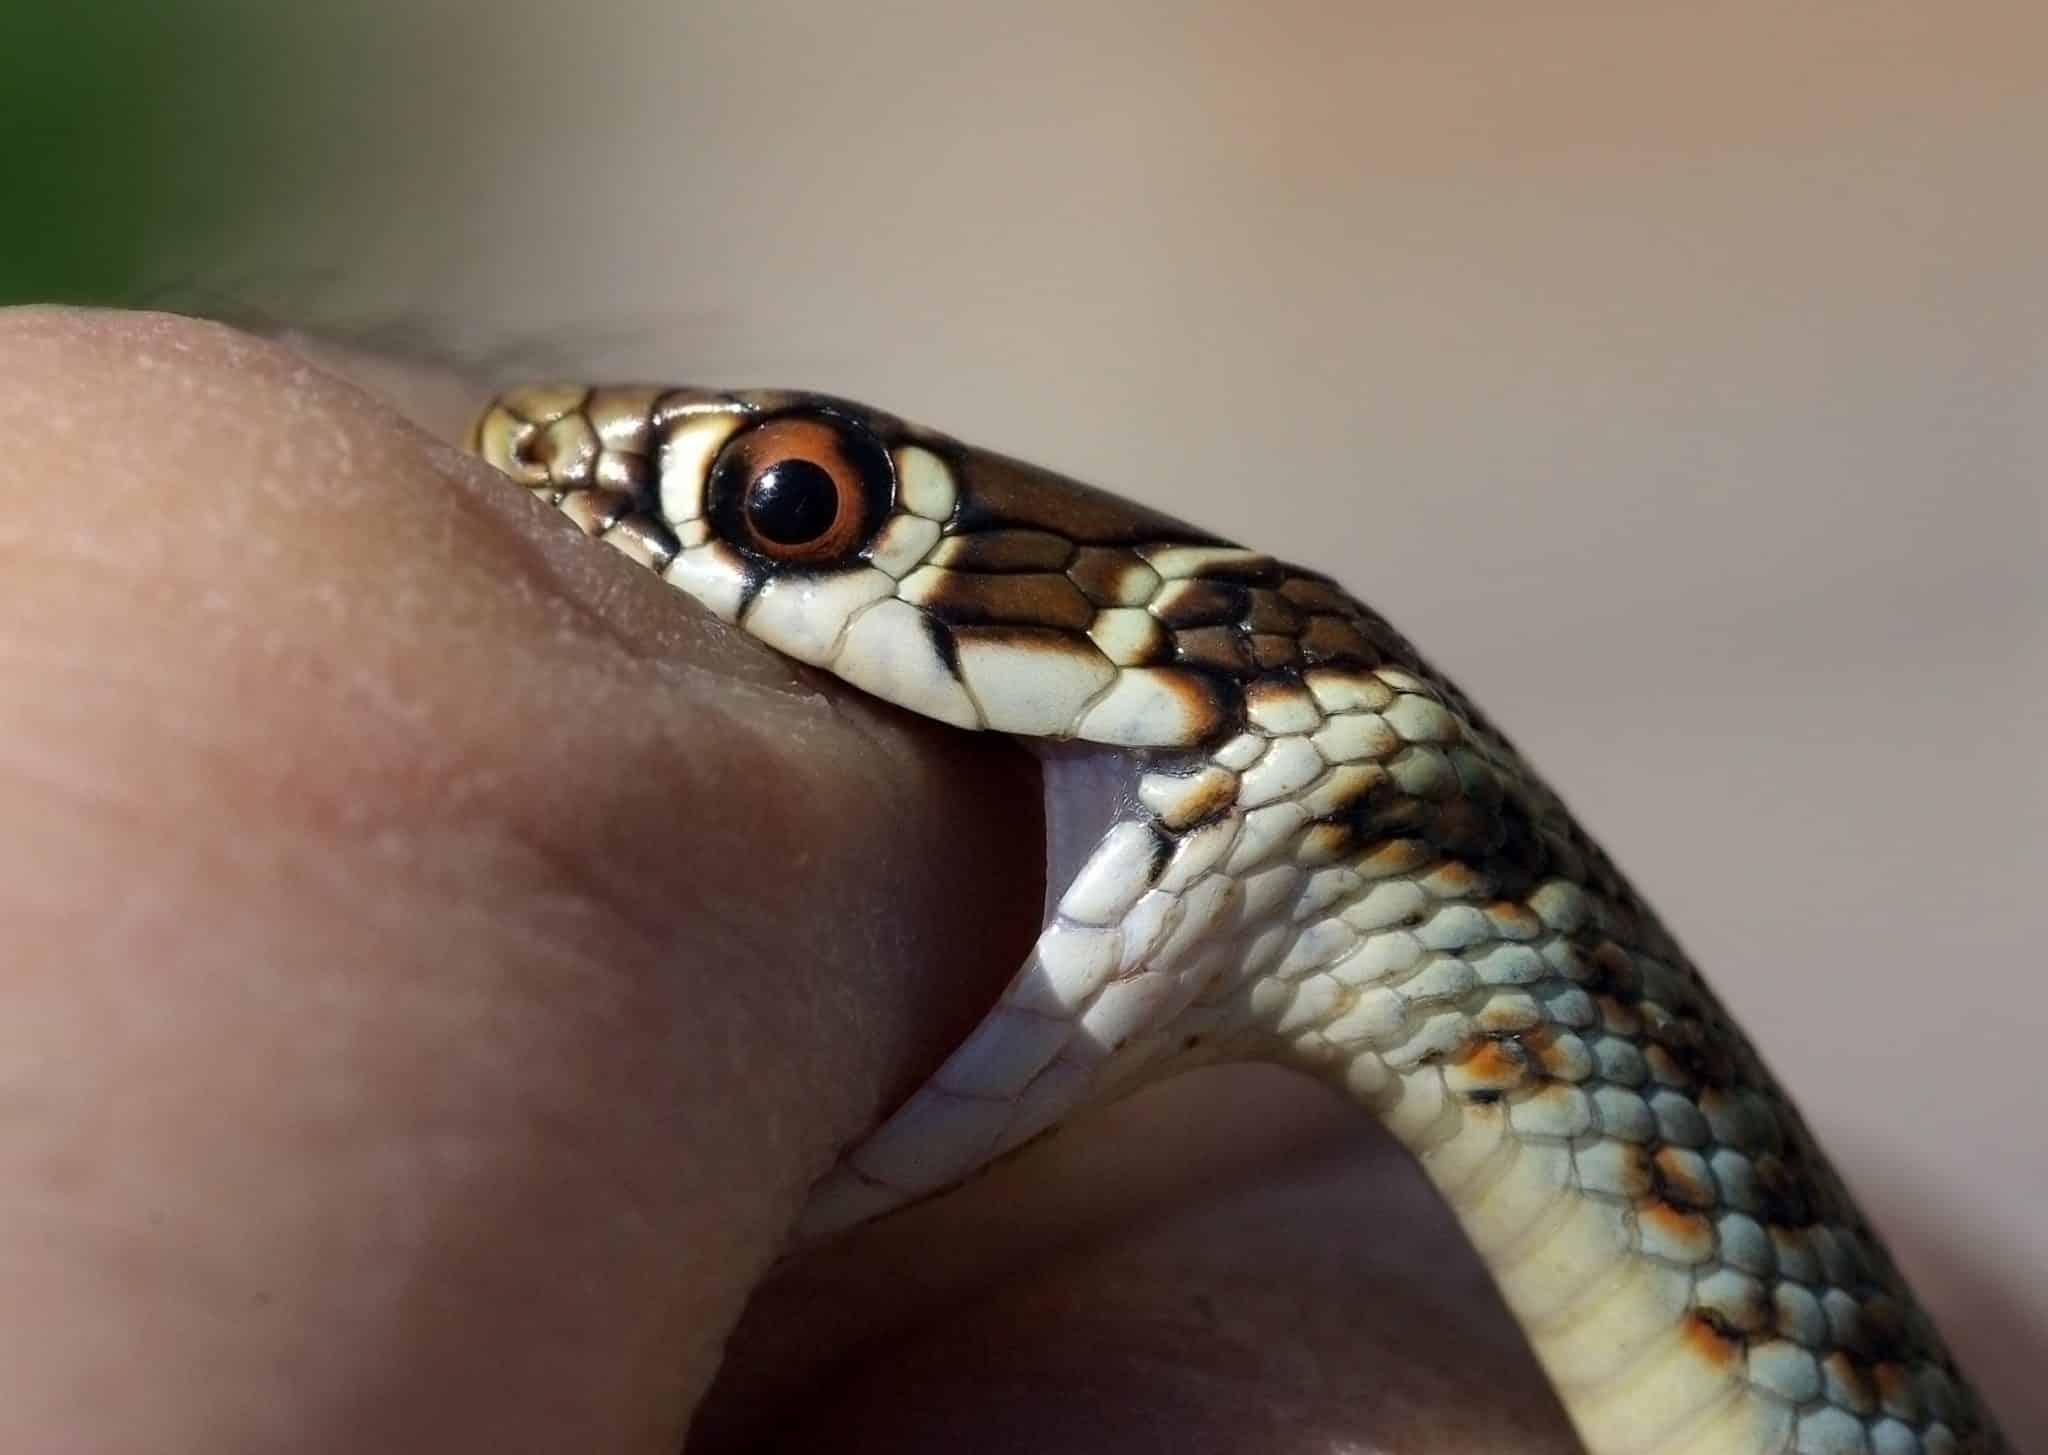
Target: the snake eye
pixel 802 488
pixel 792 503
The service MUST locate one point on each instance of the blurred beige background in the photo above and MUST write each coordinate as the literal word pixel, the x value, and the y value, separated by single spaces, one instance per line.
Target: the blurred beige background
pixel 1677 375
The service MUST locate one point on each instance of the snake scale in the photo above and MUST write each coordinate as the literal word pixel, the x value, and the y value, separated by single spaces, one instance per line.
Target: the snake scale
pixel 1276 833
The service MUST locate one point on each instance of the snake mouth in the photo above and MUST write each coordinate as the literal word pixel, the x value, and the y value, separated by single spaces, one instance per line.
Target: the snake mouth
pixel 1048 807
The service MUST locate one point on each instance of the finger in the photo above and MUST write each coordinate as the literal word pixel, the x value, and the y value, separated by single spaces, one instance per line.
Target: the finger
pixel 438 963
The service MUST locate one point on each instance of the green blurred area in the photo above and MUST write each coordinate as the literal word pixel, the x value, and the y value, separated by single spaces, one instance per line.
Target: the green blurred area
pixel 134 134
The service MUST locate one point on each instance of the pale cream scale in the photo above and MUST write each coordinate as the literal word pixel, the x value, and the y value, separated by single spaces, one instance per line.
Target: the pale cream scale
pixel 1274 832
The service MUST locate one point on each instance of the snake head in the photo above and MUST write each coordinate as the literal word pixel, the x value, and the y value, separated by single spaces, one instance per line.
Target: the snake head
pixel 954 582
pixel 1282 836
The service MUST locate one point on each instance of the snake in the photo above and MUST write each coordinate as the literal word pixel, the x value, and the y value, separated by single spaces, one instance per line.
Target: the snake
pixel 1274 832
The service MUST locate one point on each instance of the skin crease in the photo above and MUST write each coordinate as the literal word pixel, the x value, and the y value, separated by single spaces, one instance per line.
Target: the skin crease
pixel 439 959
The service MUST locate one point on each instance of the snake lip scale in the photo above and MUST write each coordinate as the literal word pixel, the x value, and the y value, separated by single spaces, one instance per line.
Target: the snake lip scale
pixel 1274 832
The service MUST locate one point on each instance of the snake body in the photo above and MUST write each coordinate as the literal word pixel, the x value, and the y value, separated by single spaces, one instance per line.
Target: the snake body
pixel 1299 843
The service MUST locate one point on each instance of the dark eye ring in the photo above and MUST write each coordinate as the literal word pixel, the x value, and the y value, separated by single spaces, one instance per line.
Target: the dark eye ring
pixel 802 488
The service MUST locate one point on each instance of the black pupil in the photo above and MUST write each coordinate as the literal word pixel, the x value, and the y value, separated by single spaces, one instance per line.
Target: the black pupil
pixel 792 502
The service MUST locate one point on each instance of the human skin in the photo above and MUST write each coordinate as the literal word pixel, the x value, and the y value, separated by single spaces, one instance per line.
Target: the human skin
pixel 439 958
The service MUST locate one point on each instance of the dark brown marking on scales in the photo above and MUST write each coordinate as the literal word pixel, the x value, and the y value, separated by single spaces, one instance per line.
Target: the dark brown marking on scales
pixel 1712 1341
pixel 941 637
pixel 1230 563
pixel 1153 649
pixel 1681 1177
pixel 1163 845
pixel 1104 574
pixel 1311 592
pixel 1333 641
pixel 1493 1067
pixel 1325 842
pixel 997 491
pixel 1219 648
pixel 1269 611
pixel 1206 698
pixel 1273 653
pixel 1211 800
pixel 970 598
pixel 1498 854
pixel 1192 602
pixel 1003 550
